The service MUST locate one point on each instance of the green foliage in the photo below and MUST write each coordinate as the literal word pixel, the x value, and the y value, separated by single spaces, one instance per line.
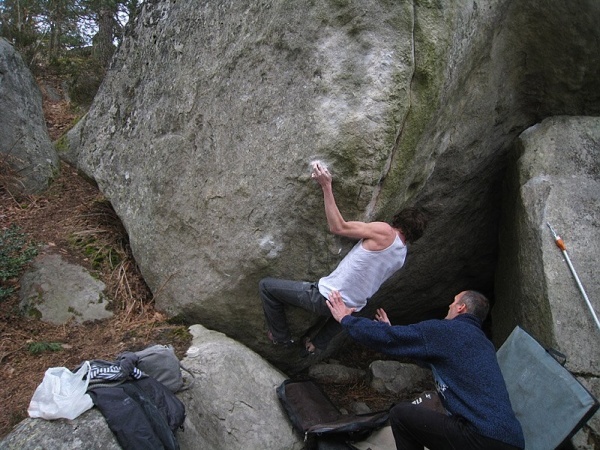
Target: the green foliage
pixel 86 75
pixel 179 319
pixel 181 332
pixel 101 254
pixel 62 144
pixel 18 21
pixel 17 416
pixel 15 252
pixel 42 31
pixel 5 292
pixel 36 348
pixel 102 244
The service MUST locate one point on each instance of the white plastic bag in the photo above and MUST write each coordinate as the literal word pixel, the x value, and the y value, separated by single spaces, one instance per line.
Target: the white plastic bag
pixel 62 394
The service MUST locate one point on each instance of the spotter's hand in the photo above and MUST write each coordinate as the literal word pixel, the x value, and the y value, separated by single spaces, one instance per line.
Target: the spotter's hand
pixel 381 316
pixel 338 308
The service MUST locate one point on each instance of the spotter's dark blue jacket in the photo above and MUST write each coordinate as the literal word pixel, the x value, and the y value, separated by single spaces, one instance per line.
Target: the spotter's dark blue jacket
pixel 464 365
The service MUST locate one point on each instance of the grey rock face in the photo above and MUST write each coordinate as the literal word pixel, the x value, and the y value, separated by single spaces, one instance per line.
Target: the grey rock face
pixel 505 68
pixel 25 146
pixel 88 431
pixel 229 103
pixel 203 129
pixel 232 403
pixel 399 378
pixel 57 291
pixel 335 373
pixel 556 180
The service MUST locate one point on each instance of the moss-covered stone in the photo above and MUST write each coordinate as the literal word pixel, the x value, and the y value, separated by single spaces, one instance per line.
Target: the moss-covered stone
pixel 425 93
pixel 62 144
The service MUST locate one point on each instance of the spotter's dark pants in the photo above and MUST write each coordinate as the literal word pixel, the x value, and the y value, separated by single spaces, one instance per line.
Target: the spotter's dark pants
pixel 416 427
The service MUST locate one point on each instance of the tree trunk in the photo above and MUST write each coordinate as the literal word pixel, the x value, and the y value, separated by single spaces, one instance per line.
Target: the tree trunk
pixel 54 40
pixel 102 43
pixel 56 18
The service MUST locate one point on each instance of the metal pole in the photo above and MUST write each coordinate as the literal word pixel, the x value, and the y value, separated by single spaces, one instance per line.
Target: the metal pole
pixel 561 245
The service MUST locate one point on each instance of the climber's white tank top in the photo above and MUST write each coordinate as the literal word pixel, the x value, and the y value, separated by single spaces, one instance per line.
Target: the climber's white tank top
pixel 362 272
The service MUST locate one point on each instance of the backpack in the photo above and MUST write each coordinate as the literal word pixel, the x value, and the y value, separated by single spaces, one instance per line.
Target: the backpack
pixel 142 414
pixel 312 413
pixel 161 363
pixel 136 396
pixel 157 361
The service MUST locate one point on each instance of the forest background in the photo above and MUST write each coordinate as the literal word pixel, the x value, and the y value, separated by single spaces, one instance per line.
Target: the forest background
pixel 75 38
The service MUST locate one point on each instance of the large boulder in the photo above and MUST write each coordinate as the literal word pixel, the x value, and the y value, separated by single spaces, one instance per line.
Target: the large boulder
pixel 232 403
pixel 555 179
pixel 27 157
pixel 202 133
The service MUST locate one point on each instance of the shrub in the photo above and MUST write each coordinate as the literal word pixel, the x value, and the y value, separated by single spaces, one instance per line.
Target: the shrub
pixel 38 347
pixel 15 252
